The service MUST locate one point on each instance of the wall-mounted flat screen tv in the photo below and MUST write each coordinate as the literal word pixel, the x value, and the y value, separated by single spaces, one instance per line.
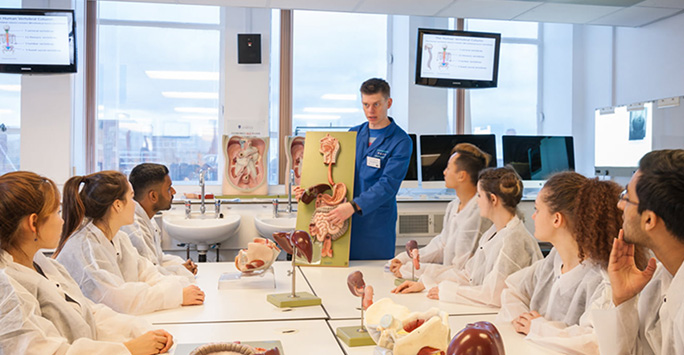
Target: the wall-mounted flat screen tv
pixel 538 157
pixel 457 59
pixel 435 151
pixel 37 41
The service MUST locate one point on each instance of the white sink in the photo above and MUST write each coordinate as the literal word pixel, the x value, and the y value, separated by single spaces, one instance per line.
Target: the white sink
pixel 201 231
pixel 266 225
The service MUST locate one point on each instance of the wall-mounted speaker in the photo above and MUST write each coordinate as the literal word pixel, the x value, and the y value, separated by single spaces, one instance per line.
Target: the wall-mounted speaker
pixel 249 48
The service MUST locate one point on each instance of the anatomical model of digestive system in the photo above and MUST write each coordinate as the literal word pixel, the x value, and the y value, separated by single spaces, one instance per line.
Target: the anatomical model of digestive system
pixel 320 226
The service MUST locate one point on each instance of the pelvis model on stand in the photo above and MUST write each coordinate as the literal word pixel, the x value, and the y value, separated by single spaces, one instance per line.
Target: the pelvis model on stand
pixel 328 180
pixel 246 168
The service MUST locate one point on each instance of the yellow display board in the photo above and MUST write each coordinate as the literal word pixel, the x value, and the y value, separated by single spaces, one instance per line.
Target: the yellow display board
pixel 314 172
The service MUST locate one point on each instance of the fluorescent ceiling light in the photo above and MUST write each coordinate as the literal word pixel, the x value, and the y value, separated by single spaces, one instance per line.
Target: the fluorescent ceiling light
pixel 190 95
pixel 330 110
pixel 202 110
pixel 10 87
pixel 182 75
pixel 199 117
pixel 346 97
pixel 100 107
pixel 5 111
pixel 315 117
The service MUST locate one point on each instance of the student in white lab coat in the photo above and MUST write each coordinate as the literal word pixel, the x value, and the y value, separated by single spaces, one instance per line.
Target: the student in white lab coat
pixel 42 310
pixel 153 193
pixel 504 249
pixel 102 259
pixel 648 317
pixel 550 301
pixel 463 225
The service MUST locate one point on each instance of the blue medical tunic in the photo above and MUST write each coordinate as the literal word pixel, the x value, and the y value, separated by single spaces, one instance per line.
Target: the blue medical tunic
pixel 380 169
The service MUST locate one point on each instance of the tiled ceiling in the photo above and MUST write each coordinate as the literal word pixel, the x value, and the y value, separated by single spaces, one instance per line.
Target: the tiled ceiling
pixel 626 13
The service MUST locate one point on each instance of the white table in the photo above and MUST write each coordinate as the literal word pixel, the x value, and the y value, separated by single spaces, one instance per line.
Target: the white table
pixel 297 337
pixel 330 284
pixel 238 304
pixel 513 342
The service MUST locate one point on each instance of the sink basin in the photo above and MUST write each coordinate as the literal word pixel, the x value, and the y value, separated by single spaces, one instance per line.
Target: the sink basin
pixel 266 225
pixel 201 231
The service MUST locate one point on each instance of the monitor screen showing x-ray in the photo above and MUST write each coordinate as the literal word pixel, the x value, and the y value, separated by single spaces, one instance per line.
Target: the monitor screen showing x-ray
pixel 538 157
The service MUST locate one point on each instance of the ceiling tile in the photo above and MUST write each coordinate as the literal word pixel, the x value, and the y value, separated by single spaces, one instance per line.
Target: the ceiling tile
pixel 403 7
pixel 676 4
pixel 338 5
pixel 622 3
pixel 635 16
pixel 488 9
pixel 566 13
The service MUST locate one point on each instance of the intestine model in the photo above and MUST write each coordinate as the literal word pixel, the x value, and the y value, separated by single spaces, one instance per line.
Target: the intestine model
pixel 414 254
pixel 395 328
pixel 477 338
pixel 245 166
pixel 320 226
pixel 259 256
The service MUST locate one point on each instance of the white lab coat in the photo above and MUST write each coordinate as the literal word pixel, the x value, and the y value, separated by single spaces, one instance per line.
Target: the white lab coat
pixel 145 236
pixel 36 318
pixel 115 274
pixel 454 245
pixel 498 255
pixel 649 323
pixel 563 300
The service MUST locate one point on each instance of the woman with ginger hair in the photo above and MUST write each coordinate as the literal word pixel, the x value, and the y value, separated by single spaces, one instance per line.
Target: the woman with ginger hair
pixel 42 309
pixel 550 301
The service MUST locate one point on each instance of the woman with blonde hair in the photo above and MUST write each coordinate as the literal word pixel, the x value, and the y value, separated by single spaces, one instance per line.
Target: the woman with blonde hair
pixel 102 259
pixel 42 309
pixel 503 249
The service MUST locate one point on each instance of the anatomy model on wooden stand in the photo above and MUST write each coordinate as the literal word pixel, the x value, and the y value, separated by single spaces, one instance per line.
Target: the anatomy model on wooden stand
pixel 320 226
pixel 358 336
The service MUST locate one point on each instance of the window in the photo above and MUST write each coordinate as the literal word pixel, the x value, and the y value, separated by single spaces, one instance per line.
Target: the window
pixel 10 122
pixel 330 63
pixel 158 76
pixel 512 107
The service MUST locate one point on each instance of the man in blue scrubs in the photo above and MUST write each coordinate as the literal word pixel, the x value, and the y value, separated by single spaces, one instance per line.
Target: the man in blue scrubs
pixel 383 151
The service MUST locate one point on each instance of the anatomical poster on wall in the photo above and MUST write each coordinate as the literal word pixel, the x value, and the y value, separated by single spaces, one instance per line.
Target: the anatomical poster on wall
pixel 245 163
pixel 328 180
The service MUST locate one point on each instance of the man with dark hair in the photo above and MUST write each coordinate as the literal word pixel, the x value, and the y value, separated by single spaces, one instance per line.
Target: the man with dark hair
pixel 648 317
pixel 153 193
pixel 383 151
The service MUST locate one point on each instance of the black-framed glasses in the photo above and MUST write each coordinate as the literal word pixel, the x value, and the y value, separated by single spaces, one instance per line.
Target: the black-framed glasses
pixel 623 197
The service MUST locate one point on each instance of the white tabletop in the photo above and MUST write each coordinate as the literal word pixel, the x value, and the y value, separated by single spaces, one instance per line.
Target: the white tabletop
pixel 513 342
pixel 231 305
pixel 330 284
pixel 297 337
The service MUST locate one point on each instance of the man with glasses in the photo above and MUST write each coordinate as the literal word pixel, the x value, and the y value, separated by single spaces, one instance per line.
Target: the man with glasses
pixel 648 317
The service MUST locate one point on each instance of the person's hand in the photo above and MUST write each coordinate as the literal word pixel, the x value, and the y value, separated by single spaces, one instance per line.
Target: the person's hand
pixel 153 342
pixel 433 293
pixel 341 213
pixel 626 279
pixel 192 295
pixel 395 266
pixel 409 287
pixel 298 191
pixel 524 321
pixel 191 266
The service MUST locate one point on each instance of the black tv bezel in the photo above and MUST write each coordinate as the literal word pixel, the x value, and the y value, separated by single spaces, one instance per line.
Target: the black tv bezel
pixel 457 83
pixel 43 68
pixel 456 139
pixel 517 140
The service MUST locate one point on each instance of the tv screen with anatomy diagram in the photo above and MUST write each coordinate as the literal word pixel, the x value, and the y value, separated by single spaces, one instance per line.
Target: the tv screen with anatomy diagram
pixel 37 41
pixel 457 59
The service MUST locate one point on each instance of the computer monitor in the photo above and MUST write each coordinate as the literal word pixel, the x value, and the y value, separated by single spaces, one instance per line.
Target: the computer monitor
pixel 435 151
pixel 411 178
pixel 538 157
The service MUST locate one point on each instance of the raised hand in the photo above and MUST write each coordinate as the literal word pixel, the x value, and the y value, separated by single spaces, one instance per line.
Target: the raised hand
pixel 409 287
pixel 625 278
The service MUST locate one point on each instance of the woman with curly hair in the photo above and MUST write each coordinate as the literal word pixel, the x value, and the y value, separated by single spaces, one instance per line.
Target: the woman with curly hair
pixel 550 301
pixel 503 249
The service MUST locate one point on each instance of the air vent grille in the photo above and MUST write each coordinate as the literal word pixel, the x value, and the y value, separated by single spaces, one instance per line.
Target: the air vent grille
pixel 414 224
pixel 439 222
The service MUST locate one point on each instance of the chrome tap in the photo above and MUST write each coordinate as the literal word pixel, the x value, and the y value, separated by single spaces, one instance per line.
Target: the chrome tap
pixel 217 207
pixel 289 191
pixel 275 207
pixel 201 184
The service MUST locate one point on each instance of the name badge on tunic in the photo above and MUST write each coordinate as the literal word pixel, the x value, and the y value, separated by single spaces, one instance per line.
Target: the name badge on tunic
pixel 373 162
